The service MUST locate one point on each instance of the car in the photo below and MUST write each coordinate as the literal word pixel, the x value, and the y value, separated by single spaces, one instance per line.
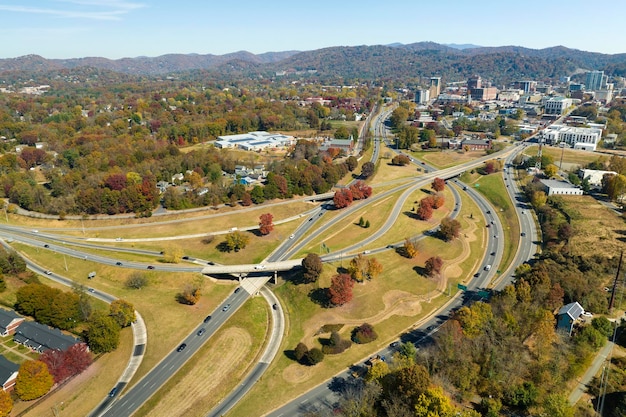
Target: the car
pixel 488 211
pixel 237 290
pixel 46 246
pixel 523 234
pixel 207 318
pixel 423 163
pixel 477 274
pixel 226 307
pixel 47 272
pixel 35 231
pixel 523 212
pixel 430 328
pixel 113 392
pixel 186 257
pixel 91 290
pixel 365 252
pixel 150 267
pixel 464 188
pixel 201 331
pixel 492 222
pixel 487 267
pixel 292 236
pixel 394 344
pixel 495 236
pixel 181 347
pixel 118 263
pixel 487 225
pixel 259 267
pixel 118 239
pixel 493 254
pixel 275 306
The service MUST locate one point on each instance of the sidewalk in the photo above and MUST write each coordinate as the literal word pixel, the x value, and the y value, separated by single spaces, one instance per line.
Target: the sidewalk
pixel 592 371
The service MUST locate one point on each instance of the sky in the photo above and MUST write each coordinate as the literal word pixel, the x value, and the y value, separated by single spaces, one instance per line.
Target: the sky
pixel 130 28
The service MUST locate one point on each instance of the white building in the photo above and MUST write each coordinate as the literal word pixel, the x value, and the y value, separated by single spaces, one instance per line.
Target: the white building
pixel 577 137
pixel 557 105
pixel 594 176
pixel 554 187
pixel 254 141
pixel 509 95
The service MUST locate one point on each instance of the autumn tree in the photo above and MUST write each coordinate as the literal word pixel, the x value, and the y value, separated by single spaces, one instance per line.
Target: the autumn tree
pixel 433 266
pixel 343 198
pixel 123 312
pixel 103 334
pixel 550 170
pixel 6 403
pixel 362 268
pixel 266 224
pixel 236 241
pixel 65 364
pixel 425 209
pixel 438 201
pixel 449 229
pixel 33 380
pixel 438 185
pixel 400 160
pixel 410 248
pixel 364 333
pixel 136 280
pixel 340 290
pixel 312 267
pixel 360 190
pixel 367 170
pixel 172 255
pixel 538 199
pixel 190 294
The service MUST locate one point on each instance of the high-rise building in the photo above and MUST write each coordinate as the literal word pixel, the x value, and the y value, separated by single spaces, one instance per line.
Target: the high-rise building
pixel 474 82
pixel 528 86
pixel 596 80
pixel 435 86
pixel 422 96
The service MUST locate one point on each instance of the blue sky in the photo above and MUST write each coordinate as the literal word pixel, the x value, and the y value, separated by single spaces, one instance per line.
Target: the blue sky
pixel 130 28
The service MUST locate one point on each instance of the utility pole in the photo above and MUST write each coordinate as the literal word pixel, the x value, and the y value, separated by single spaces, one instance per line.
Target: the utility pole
pixel 619 267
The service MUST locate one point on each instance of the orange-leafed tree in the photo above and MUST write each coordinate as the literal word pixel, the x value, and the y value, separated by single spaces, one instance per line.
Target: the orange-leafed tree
pixel 33 380
pixel 438 184
pixel 425 209
pixel 438 201
pixel 410 248
pixel 433 266
pixel 340 290
pixel 343 198
pixel 266 224
pixel 6 403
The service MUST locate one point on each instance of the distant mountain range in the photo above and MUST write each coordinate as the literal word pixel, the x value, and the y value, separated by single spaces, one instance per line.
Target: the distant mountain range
pixel 397 61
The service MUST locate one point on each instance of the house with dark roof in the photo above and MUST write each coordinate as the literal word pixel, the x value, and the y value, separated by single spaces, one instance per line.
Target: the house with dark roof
pixel 567 315
pixel 41 338
pixel 8 373
pixel 9 321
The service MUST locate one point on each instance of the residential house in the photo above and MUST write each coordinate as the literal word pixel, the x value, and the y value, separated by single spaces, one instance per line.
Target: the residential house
pixel 9 322
pixel 40 338
pixel 8 373
pixel 567 315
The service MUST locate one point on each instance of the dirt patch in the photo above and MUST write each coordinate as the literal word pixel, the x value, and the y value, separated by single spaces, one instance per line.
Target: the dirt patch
pixel 296 373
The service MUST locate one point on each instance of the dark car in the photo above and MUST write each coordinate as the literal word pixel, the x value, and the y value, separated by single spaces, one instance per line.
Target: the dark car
pixel 275 306
pixel 150 267
pixel 46 246
pixel 523 234
pixel 430 328
pixel 493 254
pixel 118 263
pixel 181 347
pixel 201 331
pixel 207 318
pixel 113 392
pixel 394 344
pixel 185 257
pixel 237 290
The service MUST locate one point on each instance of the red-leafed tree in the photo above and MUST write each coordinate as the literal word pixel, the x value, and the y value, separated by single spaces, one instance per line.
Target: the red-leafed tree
pixel 340 291
pixel 360 190
pixel 115 181
pixel 65 364
pixel 438 201
pixel 343 198
pixel 438 184
pixel 265 225
pixel 425 209
pixel 433 266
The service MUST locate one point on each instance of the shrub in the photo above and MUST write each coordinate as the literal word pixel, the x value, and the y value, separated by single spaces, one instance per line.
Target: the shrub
pixel 335 345
pixel 300 351
pixel 313 357
pixel 136 280
pixel 365 333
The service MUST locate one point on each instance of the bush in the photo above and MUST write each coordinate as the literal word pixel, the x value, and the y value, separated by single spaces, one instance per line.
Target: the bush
pixel 313 357
pixel 136 280
pixel 335 345
pixel 300 351
pixel 365 333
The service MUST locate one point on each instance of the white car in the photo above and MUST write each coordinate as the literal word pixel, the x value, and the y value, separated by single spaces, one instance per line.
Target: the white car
pixel 259 267
pixel 292 236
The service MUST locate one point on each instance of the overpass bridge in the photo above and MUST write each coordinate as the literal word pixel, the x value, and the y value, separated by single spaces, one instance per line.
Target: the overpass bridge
pixel 247 268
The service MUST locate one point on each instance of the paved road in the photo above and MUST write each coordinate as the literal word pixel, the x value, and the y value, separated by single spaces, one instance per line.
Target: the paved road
pixel 592 371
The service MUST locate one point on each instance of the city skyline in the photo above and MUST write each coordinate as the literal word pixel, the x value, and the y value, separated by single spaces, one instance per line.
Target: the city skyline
pixel 58 29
